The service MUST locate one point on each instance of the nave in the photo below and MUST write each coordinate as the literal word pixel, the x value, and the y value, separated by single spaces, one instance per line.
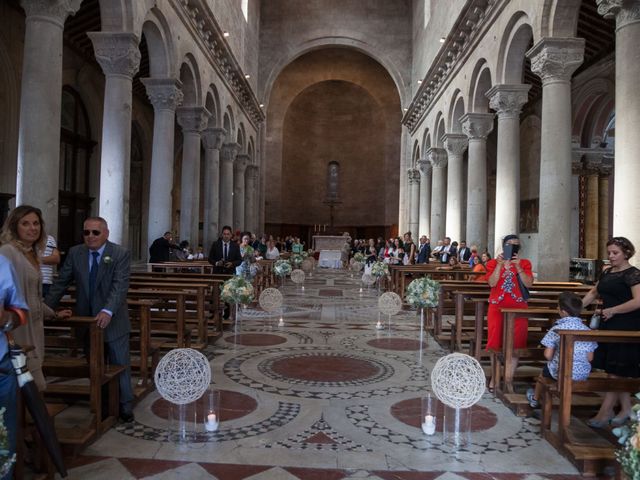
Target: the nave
pixel 324 396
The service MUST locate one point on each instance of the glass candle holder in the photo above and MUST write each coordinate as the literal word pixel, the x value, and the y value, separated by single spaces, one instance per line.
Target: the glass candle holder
pixel 210 415
pixel 428 417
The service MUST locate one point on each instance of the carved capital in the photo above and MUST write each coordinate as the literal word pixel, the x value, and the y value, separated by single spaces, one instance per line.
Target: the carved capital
pixel 437 157
pixel 414 176
pixel 455 143
pixel 624 11
pixel 213 137
pixel 163 93
pixel 193 119
pixel 555 59
pixel 241 163
pixel 54 11
pixel 253 172
pixel 117 53
pixel 508 100
pixel 477 125
pixel 424 166
pixel 229 152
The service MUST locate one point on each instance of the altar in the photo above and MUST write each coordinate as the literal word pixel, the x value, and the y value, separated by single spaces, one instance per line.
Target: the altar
pixel 330 242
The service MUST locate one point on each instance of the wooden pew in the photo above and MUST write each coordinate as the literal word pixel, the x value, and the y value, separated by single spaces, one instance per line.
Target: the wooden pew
pixel 200 266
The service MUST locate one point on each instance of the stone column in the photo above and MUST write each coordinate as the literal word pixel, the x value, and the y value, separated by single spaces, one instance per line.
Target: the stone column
pixel 626 208
pixel 229 152
pixel 603 204
pixel 242 161
pixel 438 159
pixel 477 126
pixel 193 121
pixel 40 106
pixel 507 101
pixel 165 95
pixel 424 167
pixel 414 198
pixel 212 139
pixel 455 144
pixel 591 210
pixel 250 199
pixel 554 60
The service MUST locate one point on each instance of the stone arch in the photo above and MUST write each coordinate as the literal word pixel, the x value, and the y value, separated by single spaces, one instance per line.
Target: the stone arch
pixel 593 105
pixel 228 123
pixel 426 140
pixel 241 138
pixel 440 128
pixel 190 78
pixel 124 15
pixel 455 112
pixel 161 50
pixel 212 104
pixel 515 43
pixel 559 18
pixel 479 86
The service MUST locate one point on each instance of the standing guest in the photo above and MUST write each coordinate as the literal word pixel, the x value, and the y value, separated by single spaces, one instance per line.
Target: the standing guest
pixel 505 275
pixel 464 253
pixel 409 249
pixel 371 254
pixel 619 288
pixel 160 249
pixel 22 237
pixel 224 254
pixel 436 252
pixel 49 259
pixel 424 251
pixel 100 270
pixel 13 312
pixel 445 253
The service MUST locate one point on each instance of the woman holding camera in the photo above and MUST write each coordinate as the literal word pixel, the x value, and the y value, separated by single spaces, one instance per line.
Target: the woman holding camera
pixel 507 274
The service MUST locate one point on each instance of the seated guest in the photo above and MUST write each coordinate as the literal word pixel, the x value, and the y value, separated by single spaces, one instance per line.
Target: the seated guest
pixel 272 251
pixel 370 252
pixel 478 267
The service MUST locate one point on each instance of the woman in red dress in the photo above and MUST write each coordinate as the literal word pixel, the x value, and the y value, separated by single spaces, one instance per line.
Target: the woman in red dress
pixel 504 276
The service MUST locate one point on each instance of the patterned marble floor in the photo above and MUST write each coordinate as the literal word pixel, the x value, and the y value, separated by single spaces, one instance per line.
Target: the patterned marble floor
pixel 325 396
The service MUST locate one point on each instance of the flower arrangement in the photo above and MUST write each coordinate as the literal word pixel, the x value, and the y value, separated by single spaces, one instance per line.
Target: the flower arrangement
pixel 236 290
pixel 305 254
pixel 296 260
pixel 5 460
pixel 282 268
pixel 248 252
pixel 629 437
pixel 379 269
pixel 107 259
pixel 423 293
pixel 358 257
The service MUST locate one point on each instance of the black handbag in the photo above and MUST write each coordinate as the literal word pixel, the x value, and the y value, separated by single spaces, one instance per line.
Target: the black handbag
pixel 524 291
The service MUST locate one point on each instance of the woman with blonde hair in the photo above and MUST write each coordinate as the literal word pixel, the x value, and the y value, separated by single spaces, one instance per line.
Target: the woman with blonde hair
pixel 22 237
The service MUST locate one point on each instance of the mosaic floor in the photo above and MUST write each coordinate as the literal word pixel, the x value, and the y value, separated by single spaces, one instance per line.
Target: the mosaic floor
pixel 324 396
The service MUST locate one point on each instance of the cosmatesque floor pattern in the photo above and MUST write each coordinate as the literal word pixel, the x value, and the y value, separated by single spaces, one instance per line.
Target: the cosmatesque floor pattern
pixel 323 395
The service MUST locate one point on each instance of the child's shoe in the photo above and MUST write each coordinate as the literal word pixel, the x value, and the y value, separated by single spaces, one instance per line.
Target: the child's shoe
pixel 533 403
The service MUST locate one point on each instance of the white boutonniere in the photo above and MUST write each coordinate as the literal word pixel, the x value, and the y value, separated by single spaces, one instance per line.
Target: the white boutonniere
pixel 107 259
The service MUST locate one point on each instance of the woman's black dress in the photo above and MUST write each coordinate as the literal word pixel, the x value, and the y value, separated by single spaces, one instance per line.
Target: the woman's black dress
pixel 622 359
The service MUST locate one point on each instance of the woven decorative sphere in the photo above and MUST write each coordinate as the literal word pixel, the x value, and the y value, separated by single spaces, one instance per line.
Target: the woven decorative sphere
pixel 270 299
pixel 307 265
pixel 356 266
pixel 182 376
pixel 297 276
pixel 458 380
pixel 368 279
pixel 389 303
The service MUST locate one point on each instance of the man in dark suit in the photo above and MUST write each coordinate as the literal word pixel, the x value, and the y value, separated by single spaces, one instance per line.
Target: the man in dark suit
pixel 100 270
pixel 424 250
pixel 464 253
pixel 225 254
pixel 160 249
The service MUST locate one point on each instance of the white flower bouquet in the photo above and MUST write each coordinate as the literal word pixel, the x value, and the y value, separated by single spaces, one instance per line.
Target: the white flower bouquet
pixel 423 293
pixel 629 437
pixel 236 290
pixel 282 268
pixel 358 257
pixel 296 260
pixel 379 269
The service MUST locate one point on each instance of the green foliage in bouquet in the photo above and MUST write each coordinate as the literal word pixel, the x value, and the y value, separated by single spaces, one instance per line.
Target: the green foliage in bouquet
pixel 423 293
pixel 236 290
pixel 305 254
pixel 248 252
pixel 379 269
pixel 6 460
pixel 282 268
pixel 629 437
pixel 296 259
pixel 358 257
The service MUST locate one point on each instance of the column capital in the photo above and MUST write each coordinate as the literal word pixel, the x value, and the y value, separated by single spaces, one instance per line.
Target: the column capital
pixel 437 157
pixel 414 176
pixel 455 143
pixel 116 52
pixel 477 125
pixel 163 93
pixel 253 171
pixel 212 137
pixel 242 162
pixel 53 11
pixel 624 11
pixel 193 119
pixel 555 59
pixel 508 100
pixel 424 166
pixel 229 152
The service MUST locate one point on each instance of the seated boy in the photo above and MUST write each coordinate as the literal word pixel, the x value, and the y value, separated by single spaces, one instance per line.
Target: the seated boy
pixel 570 306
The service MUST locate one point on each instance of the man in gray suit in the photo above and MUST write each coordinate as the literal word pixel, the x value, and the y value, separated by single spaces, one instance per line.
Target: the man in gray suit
pixel 100 270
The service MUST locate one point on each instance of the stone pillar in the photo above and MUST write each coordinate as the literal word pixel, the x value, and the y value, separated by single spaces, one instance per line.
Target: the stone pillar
pixel 193 121
pixel 603 204
pixel 413 176
pixel 592 209
pixel 40 105
pixel 242 161
pixel 212 139
pixel 554 60
pixel 229 152
pixel 455 144
pixel 424 167
pixel 507 101
pixel 438 159
pixel 165 95
pixel 477 126
pixel 250 199
pixel 119 56
pixel 626 208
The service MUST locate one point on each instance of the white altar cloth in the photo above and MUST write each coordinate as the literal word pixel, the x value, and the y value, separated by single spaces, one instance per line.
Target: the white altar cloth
pixel 330 259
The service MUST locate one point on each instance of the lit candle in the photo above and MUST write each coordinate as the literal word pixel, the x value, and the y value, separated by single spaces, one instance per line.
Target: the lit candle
pixel 360 289
pixel 379 325
pixel 211 425
pixel 303 288
pixel 281 322
pixel 429 425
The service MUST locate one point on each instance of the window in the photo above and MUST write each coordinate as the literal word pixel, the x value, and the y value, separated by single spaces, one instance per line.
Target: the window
pixel 245 9
pixel 75 144
pixel 427 13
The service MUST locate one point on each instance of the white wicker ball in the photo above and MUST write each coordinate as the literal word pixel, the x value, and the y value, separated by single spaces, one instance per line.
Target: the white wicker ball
pixel 297 276
pixel 270 299
pixel 368 279
pixel 182 376
pixel 389 303
pixel 356 266
pixel 458 380
pixel 307 265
